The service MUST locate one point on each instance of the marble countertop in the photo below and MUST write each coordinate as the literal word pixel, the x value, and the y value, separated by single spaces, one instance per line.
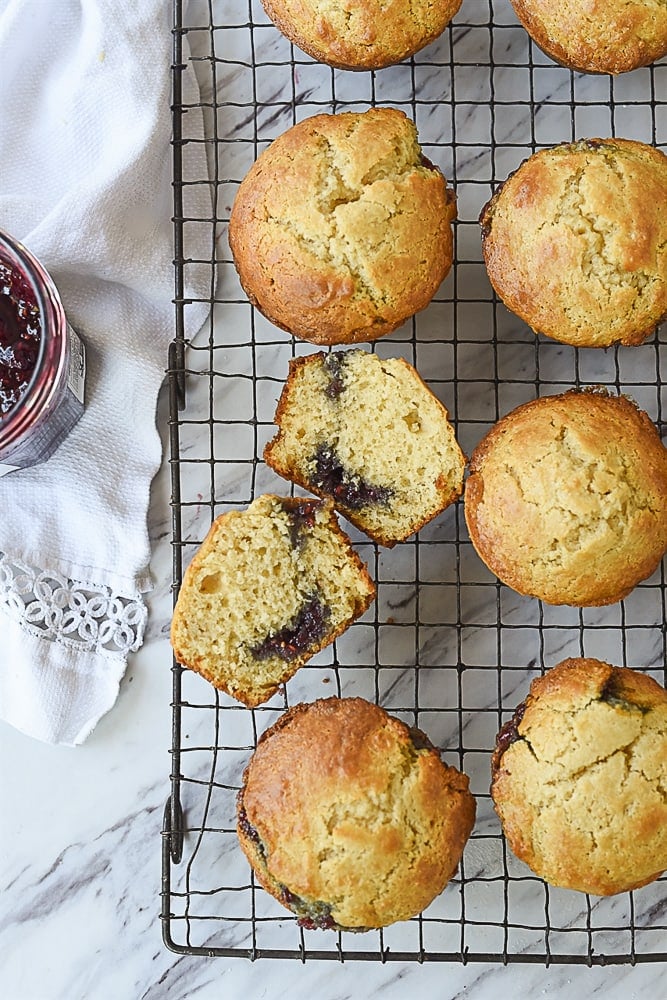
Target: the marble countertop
pixel 80 829
pixel 80 871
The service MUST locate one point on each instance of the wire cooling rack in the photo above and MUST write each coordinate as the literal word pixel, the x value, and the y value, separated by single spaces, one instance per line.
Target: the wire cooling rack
pixel 445 646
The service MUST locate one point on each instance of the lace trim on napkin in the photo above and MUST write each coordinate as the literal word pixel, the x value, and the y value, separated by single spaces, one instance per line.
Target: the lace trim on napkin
pixel 79 615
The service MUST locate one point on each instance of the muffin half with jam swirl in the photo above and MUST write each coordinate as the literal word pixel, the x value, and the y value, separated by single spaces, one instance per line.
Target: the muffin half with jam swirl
pixel 350 818
pixel 268 588
pixel 369 433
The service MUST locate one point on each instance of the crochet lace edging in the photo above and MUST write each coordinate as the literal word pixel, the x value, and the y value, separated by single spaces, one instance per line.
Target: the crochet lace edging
pixel 81 616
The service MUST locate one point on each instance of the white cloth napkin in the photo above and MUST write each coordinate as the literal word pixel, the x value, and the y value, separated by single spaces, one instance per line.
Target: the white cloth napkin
pixel 85 183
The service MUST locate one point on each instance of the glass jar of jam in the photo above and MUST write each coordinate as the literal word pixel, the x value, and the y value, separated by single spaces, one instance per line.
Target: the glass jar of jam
pixel 42 362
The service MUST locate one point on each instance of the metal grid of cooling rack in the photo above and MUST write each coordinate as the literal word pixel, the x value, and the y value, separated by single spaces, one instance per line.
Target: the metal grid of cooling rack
pixel 445 646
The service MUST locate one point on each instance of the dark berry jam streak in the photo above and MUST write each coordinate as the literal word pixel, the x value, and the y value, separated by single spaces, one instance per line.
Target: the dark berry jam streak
pixel 334 364
pixel 308 628
pixel 353 492
pixel 249 831
pixel 310 915
pixel 612 695
pixel 419 739
pixel 301 515
pixel 509 733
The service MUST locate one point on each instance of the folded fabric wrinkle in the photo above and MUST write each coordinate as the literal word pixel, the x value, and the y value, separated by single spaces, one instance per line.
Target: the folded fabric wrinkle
pixel 85 184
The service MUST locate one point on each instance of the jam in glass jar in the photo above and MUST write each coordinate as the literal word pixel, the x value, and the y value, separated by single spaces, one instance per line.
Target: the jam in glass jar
pixel 42 362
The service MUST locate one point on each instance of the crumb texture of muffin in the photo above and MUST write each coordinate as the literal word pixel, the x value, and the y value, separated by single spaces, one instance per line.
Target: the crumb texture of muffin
pixel 349 817
pixel 341 230
pixel 268 588
pixel 575 241
pixel 370 434
pixel 361 34
pixel 579 778
pixel 567 498
pixel 597 36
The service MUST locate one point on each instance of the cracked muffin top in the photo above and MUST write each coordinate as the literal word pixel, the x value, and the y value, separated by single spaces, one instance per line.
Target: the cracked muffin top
pixel 361 34
pixel 579 778
pixel 567 498
pixel 597 36
pixel 341 230
pixel 575 241
pixel 349 817
pixel 268 588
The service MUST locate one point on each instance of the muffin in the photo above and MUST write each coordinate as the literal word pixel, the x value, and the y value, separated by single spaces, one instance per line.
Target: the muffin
pixel 361 34
pixel 341 230
pixel 579 776
pixel 575 241
pixel 567 498
pixel 349 817
pixel 597 36
pixel 370 434
pixel 268 588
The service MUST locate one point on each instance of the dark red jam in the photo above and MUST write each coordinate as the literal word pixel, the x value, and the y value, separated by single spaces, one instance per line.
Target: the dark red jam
pixel 613 694
pixel 249 831
pixel 420 740
pixel 301 514
pixel 354 492
pixel 20 335
pixel 311 916
pixel 307 628
pixel 334 364
pixel 509 733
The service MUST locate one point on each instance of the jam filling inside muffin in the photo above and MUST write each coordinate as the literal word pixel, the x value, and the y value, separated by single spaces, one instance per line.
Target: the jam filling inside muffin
pixel 249 831
pixel 420 740
pixel 301 514
pixel 332 478
pixel 612 695
pixel 509 733
pixel 306 629
pixel 334 365
pixel 311 916
pixel 428 164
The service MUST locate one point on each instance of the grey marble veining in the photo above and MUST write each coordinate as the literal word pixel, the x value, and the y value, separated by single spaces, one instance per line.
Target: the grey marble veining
pixel 80 829
pixel 429 652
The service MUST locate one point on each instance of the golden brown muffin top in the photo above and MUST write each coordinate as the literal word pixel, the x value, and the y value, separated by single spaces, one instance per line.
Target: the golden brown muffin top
pixel 579 775
pixel 361 34
pixel 341 230
pixel 597 36
pixel 354 813
pixel 575 241
pixel 567 498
